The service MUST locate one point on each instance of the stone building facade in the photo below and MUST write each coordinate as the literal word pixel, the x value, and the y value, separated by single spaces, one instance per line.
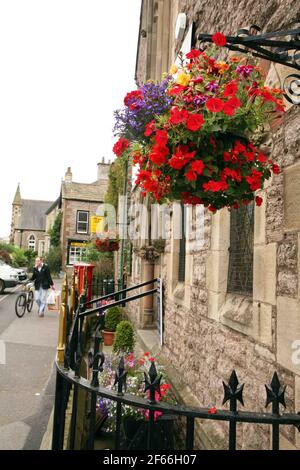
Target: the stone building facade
pixel 79 202
pixel 208 329
pixel 28 225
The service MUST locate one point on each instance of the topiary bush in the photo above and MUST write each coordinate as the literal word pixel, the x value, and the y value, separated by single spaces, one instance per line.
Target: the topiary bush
pixel 125 338
pixel 113 316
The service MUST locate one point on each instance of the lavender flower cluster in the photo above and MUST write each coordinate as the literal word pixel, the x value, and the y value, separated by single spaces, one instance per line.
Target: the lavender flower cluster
pixel 130 122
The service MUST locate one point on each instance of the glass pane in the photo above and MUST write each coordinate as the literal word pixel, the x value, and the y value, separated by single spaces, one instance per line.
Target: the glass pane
pixel 240 275
pixel 82 216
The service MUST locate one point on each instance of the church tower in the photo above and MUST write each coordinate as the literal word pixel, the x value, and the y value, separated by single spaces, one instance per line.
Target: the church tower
pixel 16 212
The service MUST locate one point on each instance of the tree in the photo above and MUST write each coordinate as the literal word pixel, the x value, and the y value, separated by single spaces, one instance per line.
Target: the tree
pixel 54 231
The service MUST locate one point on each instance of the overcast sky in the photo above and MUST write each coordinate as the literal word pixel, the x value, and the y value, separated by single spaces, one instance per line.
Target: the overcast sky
pixel 65 67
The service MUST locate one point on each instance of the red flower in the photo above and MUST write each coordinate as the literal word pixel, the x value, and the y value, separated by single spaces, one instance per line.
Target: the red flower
pixel 158 154
pixel 258 201
pixel 188 198
pixel 219 39
pixel 178 116
pixel 254 179
pixel 146 354
pixel 132 96
pixel 191 175
pixel 198 166
pixel 212 410
pixel 120 146
pixel 230 89
pixel 231 105
pixel 194 122
pixel 215 186
pixel 176 90
pixel 214 105
pixel 193 54
pixel 181 157
pixel 151 359
pixel 276 169
pixel 161 137
pixel 261 158
pixel 150 128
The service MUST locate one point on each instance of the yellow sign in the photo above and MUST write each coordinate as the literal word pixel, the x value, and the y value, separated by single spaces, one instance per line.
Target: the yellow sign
pixel 78 244
pixel 97 224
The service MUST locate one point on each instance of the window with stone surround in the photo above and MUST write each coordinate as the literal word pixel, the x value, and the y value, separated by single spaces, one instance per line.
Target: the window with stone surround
pixel 240 272
pixel 82 222
pixel 31 243
pixel 182 248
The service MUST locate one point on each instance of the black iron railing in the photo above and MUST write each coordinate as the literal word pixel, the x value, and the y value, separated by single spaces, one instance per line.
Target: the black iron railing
pixel 69 378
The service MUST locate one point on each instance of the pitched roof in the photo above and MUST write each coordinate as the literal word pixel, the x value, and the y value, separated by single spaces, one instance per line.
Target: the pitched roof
pixel 85 192
pixel 33 215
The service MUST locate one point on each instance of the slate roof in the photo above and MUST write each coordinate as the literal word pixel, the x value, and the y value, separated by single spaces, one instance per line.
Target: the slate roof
pixel 33 215
pixel 94 192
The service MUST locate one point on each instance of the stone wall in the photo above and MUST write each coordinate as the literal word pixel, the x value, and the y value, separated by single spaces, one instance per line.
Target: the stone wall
pixel 214 333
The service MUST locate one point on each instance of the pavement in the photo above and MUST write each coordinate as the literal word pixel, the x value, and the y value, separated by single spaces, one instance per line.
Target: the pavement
pixel 27 378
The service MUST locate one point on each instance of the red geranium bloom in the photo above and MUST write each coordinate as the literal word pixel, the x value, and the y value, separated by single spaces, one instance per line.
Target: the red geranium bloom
pixel 193 54
pixel 194 122
pixel 150 128
pixel 188 198
pixel 133 95
pixel 191 175
pixel 176 90
pixel 212 410
pixel 219 39
pixel 178 116
pixel 215 186
pixel 258 201
pixel 181 157
pixel 158 154
pixel 231 105
pixel 198 166
pixel 161 137
pixel 230 89
pixel 214 105
pixel 120 146
pixel 276 169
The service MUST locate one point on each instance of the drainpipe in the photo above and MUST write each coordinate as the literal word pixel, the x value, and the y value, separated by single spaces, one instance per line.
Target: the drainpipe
pixel 123 224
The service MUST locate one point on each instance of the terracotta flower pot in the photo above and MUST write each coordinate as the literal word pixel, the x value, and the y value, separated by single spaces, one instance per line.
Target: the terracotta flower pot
pixel 108 337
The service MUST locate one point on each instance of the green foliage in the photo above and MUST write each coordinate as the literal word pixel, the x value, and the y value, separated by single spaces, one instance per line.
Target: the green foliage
pixel 115 182
pixel 113 316
pixel 54 231
pixel 7 247
pixel 125 338
pixel 18 258
pixel 104 261
pixel 54 259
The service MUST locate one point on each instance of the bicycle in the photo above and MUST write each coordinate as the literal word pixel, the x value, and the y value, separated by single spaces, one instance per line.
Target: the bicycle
pixel 25 300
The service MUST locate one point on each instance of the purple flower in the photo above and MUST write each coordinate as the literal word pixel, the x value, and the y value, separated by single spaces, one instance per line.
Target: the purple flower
pixel 212 86
pixel 244 70
pixel 130 122
pixel 200 99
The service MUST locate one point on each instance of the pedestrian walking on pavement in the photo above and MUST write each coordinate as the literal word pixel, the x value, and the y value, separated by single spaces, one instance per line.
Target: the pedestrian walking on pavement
pixel 42 282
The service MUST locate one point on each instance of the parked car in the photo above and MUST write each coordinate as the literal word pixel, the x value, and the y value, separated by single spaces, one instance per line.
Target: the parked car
pixel 8 276
pixel 22 274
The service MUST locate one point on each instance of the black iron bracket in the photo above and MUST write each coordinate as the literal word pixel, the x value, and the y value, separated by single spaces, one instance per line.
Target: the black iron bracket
pixel 281 47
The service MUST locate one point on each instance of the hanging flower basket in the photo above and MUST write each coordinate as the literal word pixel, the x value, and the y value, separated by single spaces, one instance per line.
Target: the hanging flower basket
pixel 106 244
pixel 199 147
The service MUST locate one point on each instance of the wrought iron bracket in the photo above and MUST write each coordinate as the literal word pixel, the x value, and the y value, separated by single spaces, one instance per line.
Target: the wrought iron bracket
pixel 281 47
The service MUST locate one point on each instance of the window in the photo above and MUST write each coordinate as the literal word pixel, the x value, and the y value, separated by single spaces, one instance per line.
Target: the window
pixel 31 243
pixel 182 248
pixel 76 253
pixel 82 223
pixel 240 275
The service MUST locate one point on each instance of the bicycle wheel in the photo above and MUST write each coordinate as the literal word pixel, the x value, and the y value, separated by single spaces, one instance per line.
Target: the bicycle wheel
pixel 20 305
pixel 30 301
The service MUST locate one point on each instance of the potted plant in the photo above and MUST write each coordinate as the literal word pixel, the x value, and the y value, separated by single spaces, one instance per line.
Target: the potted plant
pixel 112 318
pixel 106 244
pixel 135 420
pixel 201 146
pixel 124 339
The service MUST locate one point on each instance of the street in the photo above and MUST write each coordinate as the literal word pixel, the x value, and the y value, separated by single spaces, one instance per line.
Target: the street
pixel 27 381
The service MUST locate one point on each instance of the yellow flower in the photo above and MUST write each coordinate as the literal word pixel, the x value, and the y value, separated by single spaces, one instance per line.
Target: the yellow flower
pixel 183 79
pixel 173 69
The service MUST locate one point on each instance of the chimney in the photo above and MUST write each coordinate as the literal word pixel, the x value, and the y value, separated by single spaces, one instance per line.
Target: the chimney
pixel 103 169
pixel 68 175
